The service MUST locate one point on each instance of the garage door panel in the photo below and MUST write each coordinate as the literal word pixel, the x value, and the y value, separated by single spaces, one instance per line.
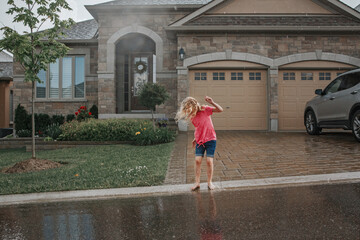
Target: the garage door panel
pixel 293 95
pixel 244 101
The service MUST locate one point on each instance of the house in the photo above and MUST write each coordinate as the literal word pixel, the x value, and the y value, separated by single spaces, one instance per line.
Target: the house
pixel 260 60
pixel 6 78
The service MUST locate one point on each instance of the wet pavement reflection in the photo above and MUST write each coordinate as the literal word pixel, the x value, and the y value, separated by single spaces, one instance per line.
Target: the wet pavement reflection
pixel 307 212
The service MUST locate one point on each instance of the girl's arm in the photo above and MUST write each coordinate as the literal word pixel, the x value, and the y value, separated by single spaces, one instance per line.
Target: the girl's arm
pixel 218 108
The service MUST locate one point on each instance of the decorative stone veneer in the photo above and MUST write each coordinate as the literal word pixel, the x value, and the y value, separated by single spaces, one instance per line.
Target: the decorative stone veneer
pixel 22 90
pixel 112 28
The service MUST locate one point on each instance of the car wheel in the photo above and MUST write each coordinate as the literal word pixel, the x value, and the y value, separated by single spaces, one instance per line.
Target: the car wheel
pixel 311 124
pixel 355 123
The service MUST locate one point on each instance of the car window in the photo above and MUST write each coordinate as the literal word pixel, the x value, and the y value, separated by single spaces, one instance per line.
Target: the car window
pixel 333 86
pixel 350 81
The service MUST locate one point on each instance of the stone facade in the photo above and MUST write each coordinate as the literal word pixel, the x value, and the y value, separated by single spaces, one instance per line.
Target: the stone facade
pixel 22 90
pixel 153 25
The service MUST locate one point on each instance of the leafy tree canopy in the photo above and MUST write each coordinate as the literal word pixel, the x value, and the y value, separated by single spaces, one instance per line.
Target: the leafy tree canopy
pixel 35 49
pixel 152 94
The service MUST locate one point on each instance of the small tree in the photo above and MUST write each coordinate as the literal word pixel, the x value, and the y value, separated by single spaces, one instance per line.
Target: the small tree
pixel 35 49
pixel 152 95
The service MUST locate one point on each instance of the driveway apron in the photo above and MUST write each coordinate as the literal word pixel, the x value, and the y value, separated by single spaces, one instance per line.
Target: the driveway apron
pixel 253 155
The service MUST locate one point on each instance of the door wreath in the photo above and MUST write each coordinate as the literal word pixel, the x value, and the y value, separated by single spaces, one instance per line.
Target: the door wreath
pixel 140 67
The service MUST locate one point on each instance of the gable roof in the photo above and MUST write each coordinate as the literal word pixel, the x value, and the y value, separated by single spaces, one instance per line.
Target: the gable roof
pixel 5 57
pixel 334 16
pixel 85 30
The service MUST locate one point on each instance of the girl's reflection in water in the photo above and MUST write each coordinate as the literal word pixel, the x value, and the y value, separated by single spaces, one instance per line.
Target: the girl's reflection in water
pixel 209 226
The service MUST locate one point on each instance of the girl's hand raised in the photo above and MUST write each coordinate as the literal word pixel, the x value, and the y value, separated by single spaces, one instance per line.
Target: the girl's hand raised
pixel 209 100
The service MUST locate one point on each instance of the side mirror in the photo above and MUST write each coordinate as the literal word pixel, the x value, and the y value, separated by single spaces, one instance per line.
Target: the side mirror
pixel 319 92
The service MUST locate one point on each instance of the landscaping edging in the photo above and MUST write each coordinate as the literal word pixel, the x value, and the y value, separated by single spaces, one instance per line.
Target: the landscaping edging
pixel 40 144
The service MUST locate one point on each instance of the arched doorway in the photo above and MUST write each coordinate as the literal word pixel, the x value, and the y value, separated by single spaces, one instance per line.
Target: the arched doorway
pixel 135 65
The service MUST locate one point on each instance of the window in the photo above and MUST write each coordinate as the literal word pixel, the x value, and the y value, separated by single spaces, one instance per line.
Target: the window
pixel 324 76
pixel 236 76
pixel 349 81
pixel 65 79
pixel 218 76
pixel 333 86
pixel 307 76
pixel 255 76
pixel 200 76
pixel 288 76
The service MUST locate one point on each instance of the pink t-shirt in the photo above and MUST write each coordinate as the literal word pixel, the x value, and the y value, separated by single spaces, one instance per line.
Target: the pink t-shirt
pixel 204 128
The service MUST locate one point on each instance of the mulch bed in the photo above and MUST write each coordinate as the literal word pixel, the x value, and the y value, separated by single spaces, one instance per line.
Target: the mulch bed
pixel 31 165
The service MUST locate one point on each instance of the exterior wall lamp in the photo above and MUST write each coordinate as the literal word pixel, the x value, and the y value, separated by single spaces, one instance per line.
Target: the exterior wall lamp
pixel 181 54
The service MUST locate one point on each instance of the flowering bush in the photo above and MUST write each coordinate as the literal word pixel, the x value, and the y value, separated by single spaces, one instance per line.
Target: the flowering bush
pixel 151 137
pixel 102 130
pixel 83 114
pixel 138 131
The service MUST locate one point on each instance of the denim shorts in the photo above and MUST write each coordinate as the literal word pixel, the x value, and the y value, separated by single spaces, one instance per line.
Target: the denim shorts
pixel 209 147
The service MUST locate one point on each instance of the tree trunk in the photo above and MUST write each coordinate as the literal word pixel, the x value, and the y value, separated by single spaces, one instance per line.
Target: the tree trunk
pixel 33 120
pixel 153 120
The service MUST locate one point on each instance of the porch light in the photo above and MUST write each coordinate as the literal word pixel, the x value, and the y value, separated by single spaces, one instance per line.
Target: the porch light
pixel 181 54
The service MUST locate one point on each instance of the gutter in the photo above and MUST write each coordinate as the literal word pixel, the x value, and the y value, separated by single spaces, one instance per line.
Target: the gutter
pixel 352 29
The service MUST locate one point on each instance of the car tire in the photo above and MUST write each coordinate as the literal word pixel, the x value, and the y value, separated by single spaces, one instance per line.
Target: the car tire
pixel 311 123
pixel 355 125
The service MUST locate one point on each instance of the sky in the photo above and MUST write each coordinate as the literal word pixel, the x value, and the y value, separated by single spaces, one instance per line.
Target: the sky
pixel 80 13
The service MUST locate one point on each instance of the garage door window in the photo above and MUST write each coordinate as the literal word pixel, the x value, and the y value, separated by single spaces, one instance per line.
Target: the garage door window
pixel 218 76
pixel 200 76
pixel 236 76
pixel 324 76
pixel 255 76
pixel 307 76
pixel 288 76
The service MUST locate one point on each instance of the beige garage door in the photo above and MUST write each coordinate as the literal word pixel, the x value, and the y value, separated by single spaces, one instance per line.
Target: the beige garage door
pixel 296 87
pixel 242 94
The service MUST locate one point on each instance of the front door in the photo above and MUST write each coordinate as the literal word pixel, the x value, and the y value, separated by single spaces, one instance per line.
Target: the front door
pixel 141 73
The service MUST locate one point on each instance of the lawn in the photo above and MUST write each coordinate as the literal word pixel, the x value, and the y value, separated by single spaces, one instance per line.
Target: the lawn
pixel 90 167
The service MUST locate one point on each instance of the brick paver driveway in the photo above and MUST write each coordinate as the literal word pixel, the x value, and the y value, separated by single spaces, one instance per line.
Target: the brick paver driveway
pixel 252 155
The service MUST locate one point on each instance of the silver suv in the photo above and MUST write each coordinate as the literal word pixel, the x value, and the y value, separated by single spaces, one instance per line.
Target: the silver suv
pixel 337 106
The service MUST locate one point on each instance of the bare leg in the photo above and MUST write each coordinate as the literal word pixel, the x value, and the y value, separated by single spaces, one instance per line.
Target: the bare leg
pixel 210 171
pixel 198 160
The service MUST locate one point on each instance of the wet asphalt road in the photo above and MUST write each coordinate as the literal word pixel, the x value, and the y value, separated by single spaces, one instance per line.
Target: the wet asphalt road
pixel 307 212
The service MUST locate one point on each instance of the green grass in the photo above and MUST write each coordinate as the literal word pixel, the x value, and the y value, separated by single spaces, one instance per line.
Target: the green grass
pixel 110 166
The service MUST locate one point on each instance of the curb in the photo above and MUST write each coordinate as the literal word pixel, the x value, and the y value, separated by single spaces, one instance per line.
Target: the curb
pixel 177 189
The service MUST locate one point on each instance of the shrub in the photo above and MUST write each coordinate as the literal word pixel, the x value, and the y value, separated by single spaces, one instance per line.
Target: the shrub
pixel 83 114
pixel 70 117
pixel 102 130
pixel 150 137
pixel 58 119
pixel 53 131
pixel 42 120
pixel 24 133
pixel 22 119
pixel 94 111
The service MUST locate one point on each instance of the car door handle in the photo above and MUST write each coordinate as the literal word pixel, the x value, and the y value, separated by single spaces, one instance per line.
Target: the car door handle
pixel 354 92
pixel 332 98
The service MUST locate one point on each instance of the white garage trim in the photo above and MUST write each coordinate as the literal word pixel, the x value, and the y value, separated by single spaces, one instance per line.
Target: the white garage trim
pixel 317 56
pixel 228 55
pixel 271 63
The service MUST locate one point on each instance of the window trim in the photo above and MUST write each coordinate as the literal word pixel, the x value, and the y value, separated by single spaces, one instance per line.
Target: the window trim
pixel 73 74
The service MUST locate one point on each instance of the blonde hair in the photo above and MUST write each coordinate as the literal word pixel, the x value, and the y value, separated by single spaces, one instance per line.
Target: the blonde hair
pixel 188 109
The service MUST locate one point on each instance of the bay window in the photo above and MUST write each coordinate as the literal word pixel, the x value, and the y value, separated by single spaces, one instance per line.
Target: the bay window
pixel 65 79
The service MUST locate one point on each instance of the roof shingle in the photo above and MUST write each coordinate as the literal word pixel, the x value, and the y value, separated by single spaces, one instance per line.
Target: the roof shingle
pixel 273 21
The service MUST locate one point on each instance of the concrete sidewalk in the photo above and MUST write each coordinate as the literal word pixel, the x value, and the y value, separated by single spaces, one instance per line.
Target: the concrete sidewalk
pixel 176 189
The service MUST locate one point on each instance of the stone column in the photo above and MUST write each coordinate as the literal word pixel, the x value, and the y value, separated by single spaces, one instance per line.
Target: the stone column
pixel 183 91
pixel 106 93
pixel 274 104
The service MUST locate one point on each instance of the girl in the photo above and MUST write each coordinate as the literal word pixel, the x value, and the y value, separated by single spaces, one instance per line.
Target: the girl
pixel 205 136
